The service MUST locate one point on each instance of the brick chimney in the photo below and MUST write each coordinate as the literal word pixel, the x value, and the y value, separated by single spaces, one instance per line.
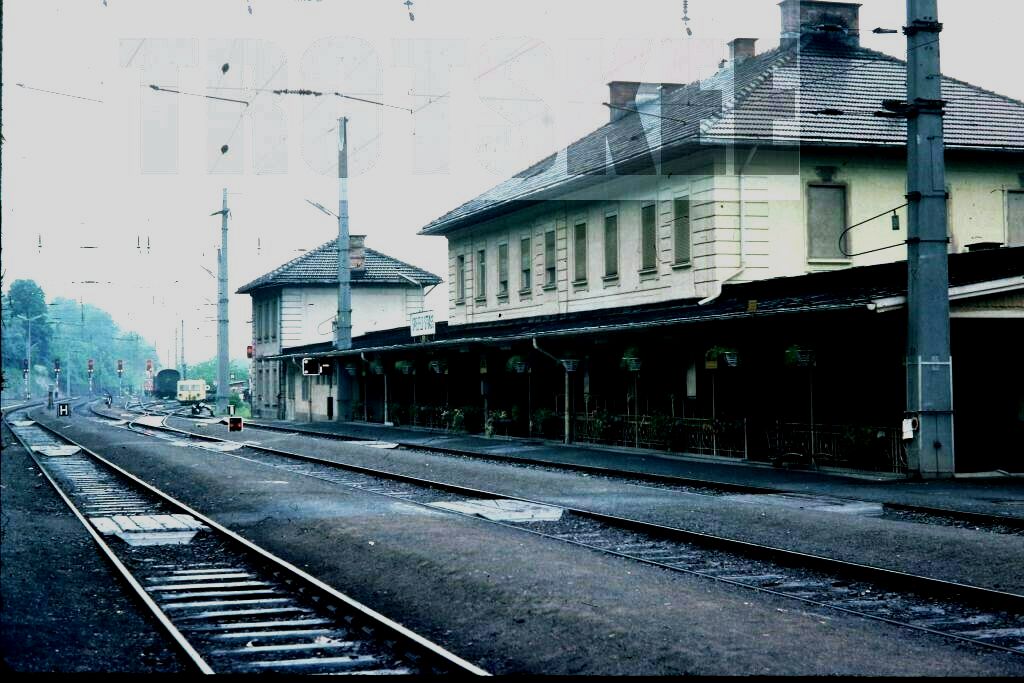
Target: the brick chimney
pixel 837 21
pixel 741 49
pixel 622 96
pixel 356 251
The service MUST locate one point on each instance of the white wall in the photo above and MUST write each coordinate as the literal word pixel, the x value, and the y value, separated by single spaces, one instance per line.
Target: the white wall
pixel 774 236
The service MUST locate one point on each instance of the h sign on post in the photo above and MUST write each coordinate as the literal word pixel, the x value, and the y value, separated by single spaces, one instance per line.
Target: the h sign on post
pixel 63 409
pixel 310 366
pixel 421 323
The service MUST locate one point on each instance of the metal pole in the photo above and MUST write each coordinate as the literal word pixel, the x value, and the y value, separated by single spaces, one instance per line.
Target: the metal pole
pixel 343 331
pixel 929 380
pixel 184 367
pixel 223 390
pixel 28 378
pixel 566 407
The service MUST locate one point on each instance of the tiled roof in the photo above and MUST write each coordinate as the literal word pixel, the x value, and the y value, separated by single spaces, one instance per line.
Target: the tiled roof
pixel 849 289
pixel 320 266
pixel 773 98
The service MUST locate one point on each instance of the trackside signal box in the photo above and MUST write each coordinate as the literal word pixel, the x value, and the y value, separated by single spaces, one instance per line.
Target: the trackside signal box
pixel 234 424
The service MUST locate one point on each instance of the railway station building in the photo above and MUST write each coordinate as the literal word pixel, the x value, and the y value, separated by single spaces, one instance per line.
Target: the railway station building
pixel 721 270
pixel 296 305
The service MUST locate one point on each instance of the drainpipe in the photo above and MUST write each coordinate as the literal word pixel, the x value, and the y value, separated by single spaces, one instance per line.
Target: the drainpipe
pixel 743 215
pixel 295 363
pixel 565 438
pixel 366 408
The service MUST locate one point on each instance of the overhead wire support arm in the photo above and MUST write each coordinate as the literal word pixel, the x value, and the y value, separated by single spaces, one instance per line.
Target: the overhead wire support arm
pixel 893 211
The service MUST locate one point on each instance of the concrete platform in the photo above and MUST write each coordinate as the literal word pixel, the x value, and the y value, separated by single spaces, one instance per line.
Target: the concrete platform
pixel 994 493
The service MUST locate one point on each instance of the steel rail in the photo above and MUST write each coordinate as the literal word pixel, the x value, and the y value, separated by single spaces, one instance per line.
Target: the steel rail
pixel 669 479
pixel 390 625
pixel 976 594
pixel 176 635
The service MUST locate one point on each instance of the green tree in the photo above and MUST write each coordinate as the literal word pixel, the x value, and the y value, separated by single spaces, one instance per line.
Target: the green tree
pixel 238 369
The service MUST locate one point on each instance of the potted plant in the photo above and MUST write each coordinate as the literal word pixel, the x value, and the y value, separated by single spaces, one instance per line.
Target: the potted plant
pixel 516 364
pixel 631 359
pixel 406 367
pixel 724 355
pixel 438 366
pixel 376 366
pixel 798 356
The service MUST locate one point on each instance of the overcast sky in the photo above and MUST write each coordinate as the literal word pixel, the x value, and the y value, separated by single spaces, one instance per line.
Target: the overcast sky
pixel 111 165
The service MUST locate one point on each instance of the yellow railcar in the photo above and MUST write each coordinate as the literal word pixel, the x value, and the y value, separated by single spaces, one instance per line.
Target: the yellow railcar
pixel 192 390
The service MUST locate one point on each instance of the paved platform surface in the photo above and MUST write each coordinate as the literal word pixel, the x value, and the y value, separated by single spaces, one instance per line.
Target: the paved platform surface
pixel 992 494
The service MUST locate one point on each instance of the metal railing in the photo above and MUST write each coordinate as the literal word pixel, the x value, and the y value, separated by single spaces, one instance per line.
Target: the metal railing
pixel 859 447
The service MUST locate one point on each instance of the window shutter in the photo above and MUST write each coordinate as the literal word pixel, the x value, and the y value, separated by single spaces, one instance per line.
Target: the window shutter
pixel 1015 218
pixel 611 246
pixel 502 269
pixel 580 252
pixel 525 258
pixel 826 217
pixel 649 237
pixel 681 230
pixel 549 257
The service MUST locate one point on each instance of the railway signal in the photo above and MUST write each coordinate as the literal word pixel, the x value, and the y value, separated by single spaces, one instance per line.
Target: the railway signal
pixel 149 365
pixel 315 366
pixel 56 365
pixel 90 366
pixel 248 351
pixel 120 367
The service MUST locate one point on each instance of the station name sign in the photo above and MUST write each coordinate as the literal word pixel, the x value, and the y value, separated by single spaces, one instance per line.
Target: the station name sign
pixel 421 323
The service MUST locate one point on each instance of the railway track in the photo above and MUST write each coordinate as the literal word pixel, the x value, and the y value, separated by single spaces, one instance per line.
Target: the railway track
pixel 917 514
pixel 229 605
pixel 984 617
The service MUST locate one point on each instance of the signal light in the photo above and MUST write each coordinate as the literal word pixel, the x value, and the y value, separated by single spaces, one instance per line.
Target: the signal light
pixel 56 364
pixel 149 365
pixel 120 366
pixel 248 351
pixel 24 364
pixel 90 365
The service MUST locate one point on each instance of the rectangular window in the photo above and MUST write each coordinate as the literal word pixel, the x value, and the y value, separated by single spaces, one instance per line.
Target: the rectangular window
pixel 549 258
pixel 481 275
pixel 460 278
pixel 579 252
pixel 273 319
pixel 502 270
pixel 826 220
pixel 526 260
pixel 681 230
pixel 648 237
pixel 611 246
pixel 1015 218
